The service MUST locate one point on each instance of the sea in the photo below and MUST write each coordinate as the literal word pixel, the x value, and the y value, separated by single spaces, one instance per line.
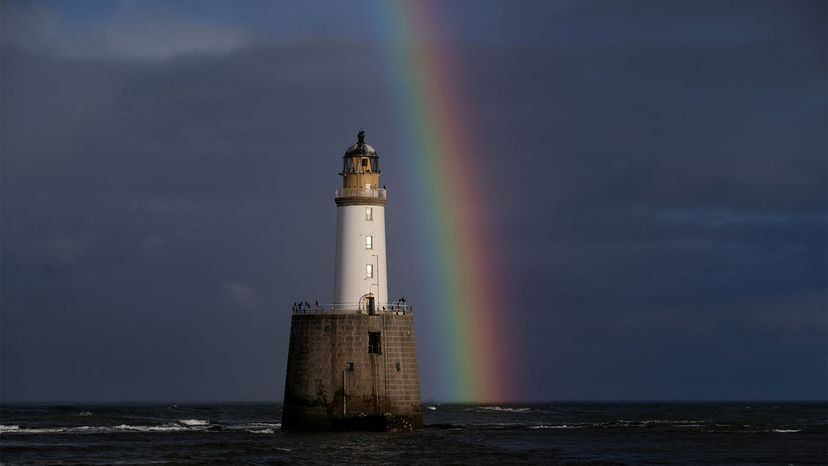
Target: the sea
pixel 462 434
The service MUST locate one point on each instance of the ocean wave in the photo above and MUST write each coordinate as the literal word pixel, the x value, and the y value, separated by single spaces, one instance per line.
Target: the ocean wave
pixel 501 425
pixel 262 431
pixel 254 425
pixel 561 426
pixel 267 424
pixel 84 413
pixel 169 427
pixel 652 423
pixel 502 409
pixel 621 423
pixel 664 421
pixel 13 429
pixel 194 422
pixel 48 430
pixel 183 425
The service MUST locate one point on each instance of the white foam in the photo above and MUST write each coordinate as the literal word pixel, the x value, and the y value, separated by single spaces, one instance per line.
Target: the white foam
pixel 84 413
pixel 432 408
pixel 499 408
pixel 52 430
pixel 666 421
pixel 91 429
pixel 786 431
pixel 194 422
pixel 44 430
pixel 171 427
pixel 182 425
pixel 265 424
pixel 262 431
pixel 562 426
pixel 255 426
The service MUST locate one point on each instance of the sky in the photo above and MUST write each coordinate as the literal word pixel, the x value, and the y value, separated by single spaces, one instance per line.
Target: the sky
pixel 653 179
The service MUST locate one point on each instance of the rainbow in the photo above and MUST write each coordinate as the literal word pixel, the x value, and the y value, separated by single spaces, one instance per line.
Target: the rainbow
pixel 474 363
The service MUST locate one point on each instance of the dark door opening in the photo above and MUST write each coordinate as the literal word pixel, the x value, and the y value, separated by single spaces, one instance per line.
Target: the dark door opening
pixel 374 343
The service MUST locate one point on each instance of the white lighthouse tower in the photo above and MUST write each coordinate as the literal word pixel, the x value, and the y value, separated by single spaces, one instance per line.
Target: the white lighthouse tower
pixel 360 281
pixel 353 366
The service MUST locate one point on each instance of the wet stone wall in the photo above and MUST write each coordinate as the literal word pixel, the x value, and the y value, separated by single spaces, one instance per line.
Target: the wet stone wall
pixel 346 369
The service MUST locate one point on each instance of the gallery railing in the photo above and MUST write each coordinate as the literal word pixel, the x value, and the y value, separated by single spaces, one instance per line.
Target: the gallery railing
pixel 351 308
pixel 360 192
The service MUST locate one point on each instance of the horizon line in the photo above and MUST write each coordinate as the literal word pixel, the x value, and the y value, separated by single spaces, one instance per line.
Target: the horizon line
pixel 434 402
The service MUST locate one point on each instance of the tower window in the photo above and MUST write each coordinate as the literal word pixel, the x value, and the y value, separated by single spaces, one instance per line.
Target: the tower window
pixel 364 163
pixel 348 166
pixel 369 214
pixel 374 343
pixel 369 271
pixel 369 242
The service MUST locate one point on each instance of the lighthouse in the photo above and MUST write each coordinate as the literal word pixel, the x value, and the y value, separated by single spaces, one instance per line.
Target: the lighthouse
pixel 352 364
pixel 360 277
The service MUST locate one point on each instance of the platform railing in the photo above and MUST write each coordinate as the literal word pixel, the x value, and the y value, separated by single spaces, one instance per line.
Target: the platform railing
pixel 360 192
pixel 351 308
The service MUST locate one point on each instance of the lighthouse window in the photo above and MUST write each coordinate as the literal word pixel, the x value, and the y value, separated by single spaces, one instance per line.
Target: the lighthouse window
pixel 349 166
pixel 369 271
pixel 364 163
pixel 369 242
pixel 369 213
pixel 374 343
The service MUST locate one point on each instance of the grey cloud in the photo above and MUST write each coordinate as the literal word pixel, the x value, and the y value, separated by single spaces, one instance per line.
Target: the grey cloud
pixel 135 30
pixel 240 294
pixel 656 210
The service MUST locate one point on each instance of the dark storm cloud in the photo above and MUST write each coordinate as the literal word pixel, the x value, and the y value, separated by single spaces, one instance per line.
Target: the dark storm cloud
pixel 675 189
pixel 165 213
pixel 658 191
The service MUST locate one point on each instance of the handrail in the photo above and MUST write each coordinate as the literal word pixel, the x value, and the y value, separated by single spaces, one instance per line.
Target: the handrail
pixel 351 308
pixel 360 192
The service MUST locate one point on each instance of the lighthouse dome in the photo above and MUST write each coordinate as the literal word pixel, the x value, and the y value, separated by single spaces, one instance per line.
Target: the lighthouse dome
pixel 361 148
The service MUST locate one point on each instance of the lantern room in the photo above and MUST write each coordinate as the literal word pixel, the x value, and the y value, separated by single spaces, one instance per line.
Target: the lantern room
pixel 360 165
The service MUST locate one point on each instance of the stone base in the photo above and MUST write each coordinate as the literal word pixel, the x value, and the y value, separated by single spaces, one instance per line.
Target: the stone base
pixel 336 380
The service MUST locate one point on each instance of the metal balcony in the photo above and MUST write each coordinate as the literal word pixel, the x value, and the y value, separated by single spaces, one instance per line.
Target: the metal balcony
pixel 360 192
pixel 351 308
